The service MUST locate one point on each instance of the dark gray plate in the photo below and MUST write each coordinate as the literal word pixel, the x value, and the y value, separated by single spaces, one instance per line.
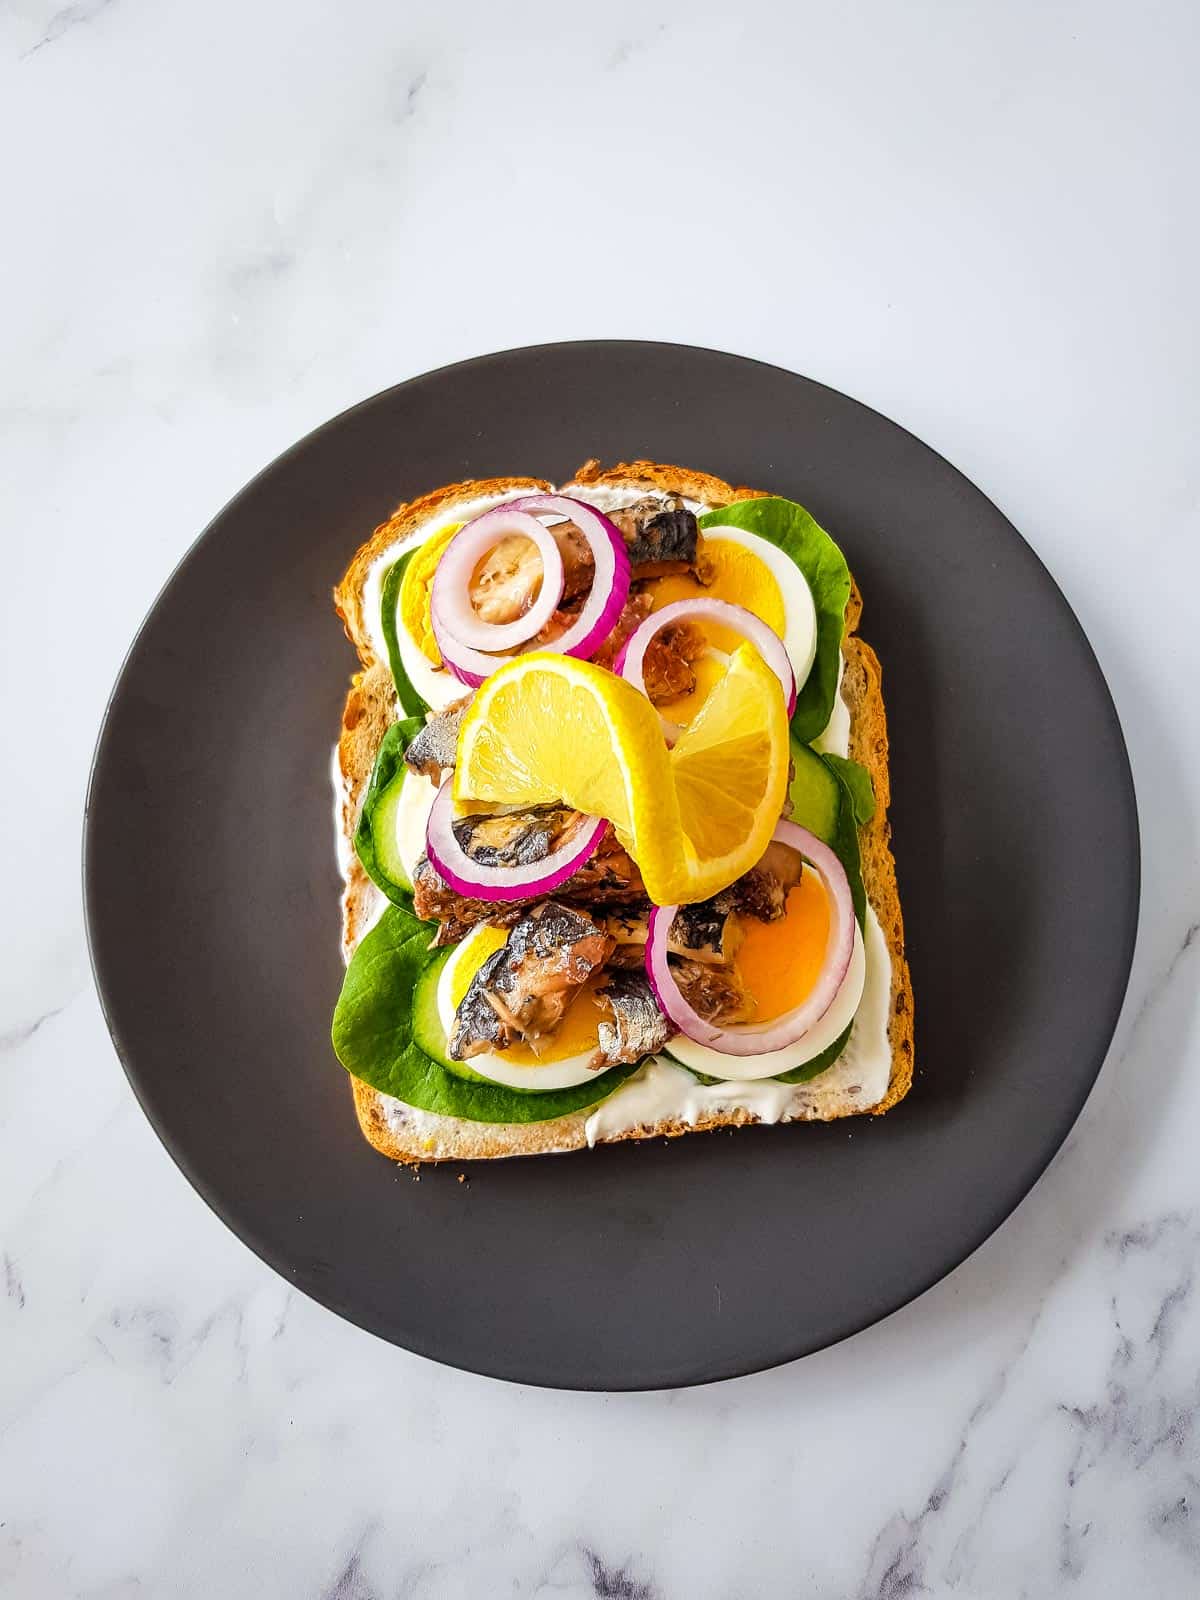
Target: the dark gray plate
pixel 212 897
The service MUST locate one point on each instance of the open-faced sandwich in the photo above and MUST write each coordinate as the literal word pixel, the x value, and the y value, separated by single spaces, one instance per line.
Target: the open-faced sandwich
pixel 612 791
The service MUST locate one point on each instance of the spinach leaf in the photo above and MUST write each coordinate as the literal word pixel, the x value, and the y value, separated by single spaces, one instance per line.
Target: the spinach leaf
pixel 373 1037
pixel 845 843
pixel 389 764
pixel 798 535
pixel 818 1064
pixel 858 780
pixel 389 595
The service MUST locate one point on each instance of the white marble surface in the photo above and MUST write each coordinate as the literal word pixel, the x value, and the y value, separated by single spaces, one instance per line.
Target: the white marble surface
pixel 225 222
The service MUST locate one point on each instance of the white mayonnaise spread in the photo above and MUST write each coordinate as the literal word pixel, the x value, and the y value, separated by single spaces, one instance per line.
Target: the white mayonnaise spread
pixel 341 835
pixel 373 900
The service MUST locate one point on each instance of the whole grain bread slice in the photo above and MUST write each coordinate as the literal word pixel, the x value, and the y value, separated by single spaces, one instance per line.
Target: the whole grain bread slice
pixel 408 1135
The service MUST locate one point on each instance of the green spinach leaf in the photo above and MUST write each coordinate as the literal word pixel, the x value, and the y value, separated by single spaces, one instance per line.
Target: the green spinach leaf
pixel 373 1038
pixel 858 780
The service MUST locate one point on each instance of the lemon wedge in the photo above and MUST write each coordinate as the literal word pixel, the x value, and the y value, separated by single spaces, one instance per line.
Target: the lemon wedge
pixel 548 727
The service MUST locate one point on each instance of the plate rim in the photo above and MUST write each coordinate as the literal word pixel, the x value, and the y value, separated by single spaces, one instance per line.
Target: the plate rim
pixel 512 1370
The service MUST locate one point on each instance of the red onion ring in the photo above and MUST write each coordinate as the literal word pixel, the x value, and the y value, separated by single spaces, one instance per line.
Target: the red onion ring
pixel 751 1039
pixel 630 662
pixel 468 877
pixel 604 604
pixel 461 634
pixel 610 586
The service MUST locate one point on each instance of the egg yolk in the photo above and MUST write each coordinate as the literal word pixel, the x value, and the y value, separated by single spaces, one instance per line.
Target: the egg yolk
pixel 578 1031
pixel 779 962
pixel 738 576
pixel 708 671
pixel 416 592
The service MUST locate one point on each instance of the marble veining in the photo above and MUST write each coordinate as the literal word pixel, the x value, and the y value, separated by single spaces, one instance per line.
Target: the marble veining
pixel 63 21
pixel 226 223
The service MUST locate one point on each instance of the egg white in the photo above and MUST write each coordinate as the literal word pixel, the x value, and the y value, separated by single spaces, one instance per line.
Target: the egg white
pixel 768 1065
pixel 437 687
pixel 412 819
pixel 564 1074
pixel 799 612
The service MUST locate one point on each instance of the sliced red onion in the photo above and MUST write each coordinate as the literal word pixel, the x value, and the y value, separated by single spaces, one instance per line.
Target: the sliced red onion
pixel 463 635
pixel 604 604
pixel 610 585
pixel 630 663
pixel 751 1039
pixel 468 877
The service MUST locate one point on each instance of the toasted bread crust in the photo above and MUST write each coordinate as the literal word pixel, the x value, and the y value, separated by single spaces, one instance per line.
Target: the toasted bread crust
pixel 701 486
pixel 370 708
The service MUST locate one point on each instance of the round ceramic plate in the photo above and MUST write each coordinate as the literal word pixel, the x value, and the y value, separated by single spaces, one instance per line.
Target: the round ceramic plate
pixel 212 897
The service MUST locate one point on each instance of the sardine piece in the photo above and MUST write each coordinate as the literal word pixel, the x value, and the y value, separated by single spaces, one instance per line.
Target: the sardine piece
pixel 523 990
pixel 507 581
pixel 608 878
pixel 762 892
pixel 717 993
pixel 435 748
pixel 707 931
pixel 579 566
pixel 517 838
pixel 661 536
pixel 455 915
pixel 634 612
pixel 667 665
pixel 509 578
pixel 638 1028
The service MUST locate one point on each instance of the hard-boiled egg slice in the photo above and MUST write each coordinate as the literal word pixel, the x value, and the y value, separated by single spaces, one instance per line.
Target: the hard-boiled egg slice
pixel 749 571
pixel 779 962
pixel 419 653
pixel 569 1052
pixel 411 818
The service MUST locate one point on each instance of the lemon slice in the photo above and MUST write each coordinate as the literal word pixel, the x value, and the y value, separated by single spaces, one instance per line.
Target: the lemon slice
pixel 730 771
pixel 548 727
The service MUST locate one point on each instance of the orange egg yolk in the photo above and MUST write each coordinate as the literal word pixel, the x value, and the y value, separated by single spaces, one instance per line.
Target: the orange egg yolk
pixel 736 575
pixel 779 962
pixel 579 1031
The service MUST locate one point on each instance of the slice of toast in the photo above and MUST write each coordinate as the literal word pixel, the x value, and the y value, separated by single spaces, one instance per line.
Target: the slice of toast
pixel 410 1135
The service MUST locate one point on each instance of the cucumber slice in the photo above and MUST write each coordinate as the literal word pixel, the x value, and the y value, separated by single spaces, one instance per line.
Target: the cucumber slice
pixel 411 702
pixel 385 830
pixel 427 1030
pixel 392 825
pixel 815 794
